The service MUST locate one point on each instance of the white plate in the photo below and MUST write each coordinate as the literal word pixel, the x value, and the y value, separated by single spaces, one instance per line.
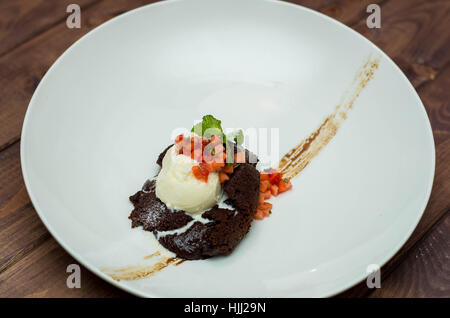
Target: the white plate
pixel 106 108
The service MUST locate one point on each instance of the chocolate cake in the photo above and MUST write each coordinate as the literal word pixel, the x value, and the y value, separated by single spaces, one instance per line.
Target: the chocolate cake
pixel 192 239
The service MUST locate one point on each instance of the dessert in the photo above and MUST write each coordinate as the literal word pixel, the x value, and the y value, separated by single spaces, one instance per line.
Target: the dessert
pixel 178 187
pixel 207 193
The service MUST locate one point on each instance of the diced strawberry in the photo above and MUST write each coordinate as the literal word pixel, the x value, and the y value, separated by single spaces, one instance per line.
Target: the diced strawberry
pixel 266 206
pixel 212 166
pixel 263 186
pixel 204 171
pixel 284 186
pixel 228 169
pixel 204 166
pixel 261 199
pixel 275 178
pixel 205 141
pixel 274 190
pixel 199 174
pixel 223 177
pixel 259 215
pixel 217 165
pixel 179 138
pixel 263 210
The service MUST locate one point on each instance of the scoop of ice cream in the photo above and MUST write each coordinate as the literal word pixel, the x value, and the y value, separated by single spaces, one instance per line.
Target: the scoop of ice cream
pixel 178 188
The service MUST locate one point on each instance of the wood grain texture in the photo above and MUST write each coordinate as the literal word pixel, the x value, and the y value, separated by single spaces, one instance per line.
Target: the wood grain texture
pixel 425 272
pixel 408 35
pixel 20 227
pixel 348 12
pixel 21 20
pixel 415 34
pixel 34 276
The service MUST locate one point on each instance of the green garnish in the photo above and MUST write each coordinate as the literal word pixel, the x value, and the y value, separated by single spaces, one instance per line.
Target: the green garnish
pixel 197 129
pixel 286 181
pixel 237 136
pixel 209 126
pixel 270 212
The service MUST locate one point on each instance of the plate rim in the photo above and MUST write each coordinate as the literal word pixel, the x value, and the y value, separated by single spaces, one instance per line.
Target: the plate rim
pixel 134 291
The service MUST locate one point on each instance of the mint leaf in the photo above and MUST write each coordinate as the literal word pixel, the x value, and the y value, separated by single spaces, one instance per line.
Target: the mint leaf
pixel 209 121
pixel 237 136
pixel 208 127
pixel 197 129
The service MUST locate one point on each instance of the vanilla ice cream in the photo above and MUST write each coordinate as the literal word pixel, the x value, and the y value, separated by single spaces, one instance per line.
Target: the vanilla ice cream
pixel 178 188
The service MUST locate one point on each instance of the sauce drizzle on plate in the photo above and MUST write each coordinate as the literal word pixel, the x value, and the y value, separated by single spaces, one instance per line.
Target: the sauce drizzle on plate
pixel 301 155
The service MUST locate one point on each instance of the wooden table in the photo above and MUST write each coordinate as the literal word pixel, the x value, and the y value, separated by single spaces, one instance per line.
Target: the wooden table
pixel 33 33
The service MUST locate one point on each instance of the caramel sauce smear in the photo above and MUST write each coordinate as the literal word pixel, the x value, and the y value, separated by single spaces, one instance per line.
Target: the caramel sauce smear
pixel 135 272
pixel 301 155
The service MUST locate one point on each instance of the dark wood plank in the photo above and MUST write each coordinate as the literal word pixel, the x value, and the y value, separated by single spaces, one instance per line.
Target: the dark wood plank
pixel 348 12
pixel 415 34
pixel 21 20
pixel 20 228
pixel 10 174
pixel 35 276
pixel 425 272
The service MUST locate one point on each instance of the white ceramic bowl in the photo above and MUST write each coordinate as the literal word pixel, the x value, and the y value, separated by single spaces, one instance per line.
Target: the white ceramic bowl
pixel 107 107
